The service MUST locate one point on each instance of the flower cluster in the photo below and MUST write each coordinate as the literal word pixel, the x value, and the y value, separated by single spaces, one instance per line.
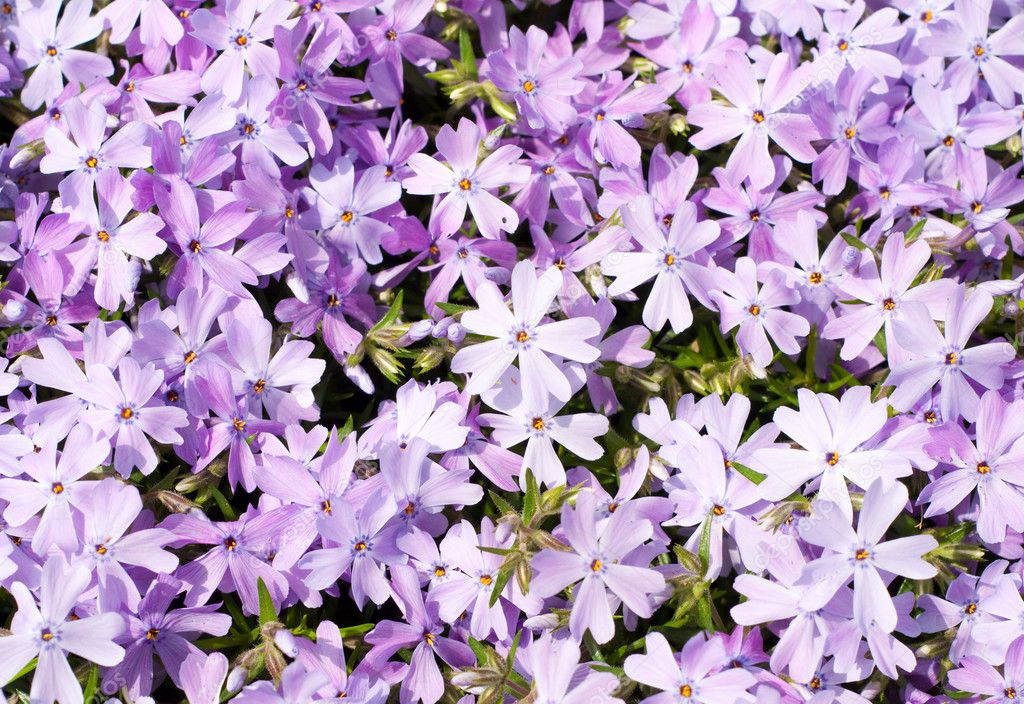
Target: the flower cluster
pixel 492 351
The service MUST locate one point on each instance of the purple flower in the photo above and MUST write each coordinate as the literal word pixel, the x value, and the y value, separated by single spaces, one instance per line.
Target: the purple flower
pixel 110 511
pixel 668 259
pixel 977 676
pixel 886 290
pixel 863 556
pixel 126 410
pixel 964 36
pixel 422 632
pixel 43 631
pixel 55 487
pixel 756 312
pixel 520 335
pixel 987 467
pixel 542 86
pixel 165 633
pixel 362 542
pixel 687 676
pixel 466 183
pixel 48 45
pixel 757 113
pixel 238 36
pixel 835 436
pixel 345 208
pixel 945 359
pixel 558 675
pixel 236 559
pixel 596 562
pixel 206 250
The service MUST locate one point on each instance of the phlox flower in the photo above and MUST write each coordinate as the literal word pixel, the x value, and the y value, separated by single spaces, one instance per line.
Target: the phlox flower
pixel 48 44
pixel 596 563
pixel 520 335
pixel 345 207
pixel 834 435
pixel 945 359
pixel 55 487
pixel 540 85
pixel 988 467
pixel 541 426
pixel 756 312
pixel 863 555
pixel 465 183
pixel 689 675
pixel 667 259
pixel 43 630
pixel 757 113
pixel 421 632
pixel 238 38
pixel 127 409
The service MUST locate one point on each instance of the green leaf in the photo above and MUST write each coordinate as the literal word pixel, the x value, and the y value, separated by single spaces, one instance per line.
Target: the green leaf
pixel 353 631
pixel 504 574
pixel 914 232
pixel 704 553
pixel 223 504
pixel 496 551
pixel 510 658
pixel 268 612
pixel 92 685
pixel 27 669
pixel 502 505
pixel 466 54
pixel 391 316
pixel 479 650
pixel 532 500
pixel 854 241
pixel 345 430
pixel 751 474
pixel 453 308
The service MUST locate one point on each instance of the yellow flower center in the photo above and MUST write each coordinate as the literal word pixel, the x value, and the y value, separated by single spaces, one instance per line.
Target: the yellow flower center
pixel 190 357
pixel 889 304
pixel 537 423
pixel 238 424
pixel 92 162
pixel 346 217
pixel 983 468
pixel 862 554
pixel 152 633
pixel 758 116
pixel 259 386
pixel 754 309
pixel 127 413
pixel 57 488
pixel 596 566
pixel 815 277
pixel 230 543
pixel 528 86
pixel 465 184
pixel 195 246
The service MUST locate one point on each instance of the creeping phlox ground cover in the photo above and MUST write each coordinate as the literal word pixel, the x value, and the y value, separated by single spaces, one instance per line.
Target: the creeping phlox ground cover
pixel 523 351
